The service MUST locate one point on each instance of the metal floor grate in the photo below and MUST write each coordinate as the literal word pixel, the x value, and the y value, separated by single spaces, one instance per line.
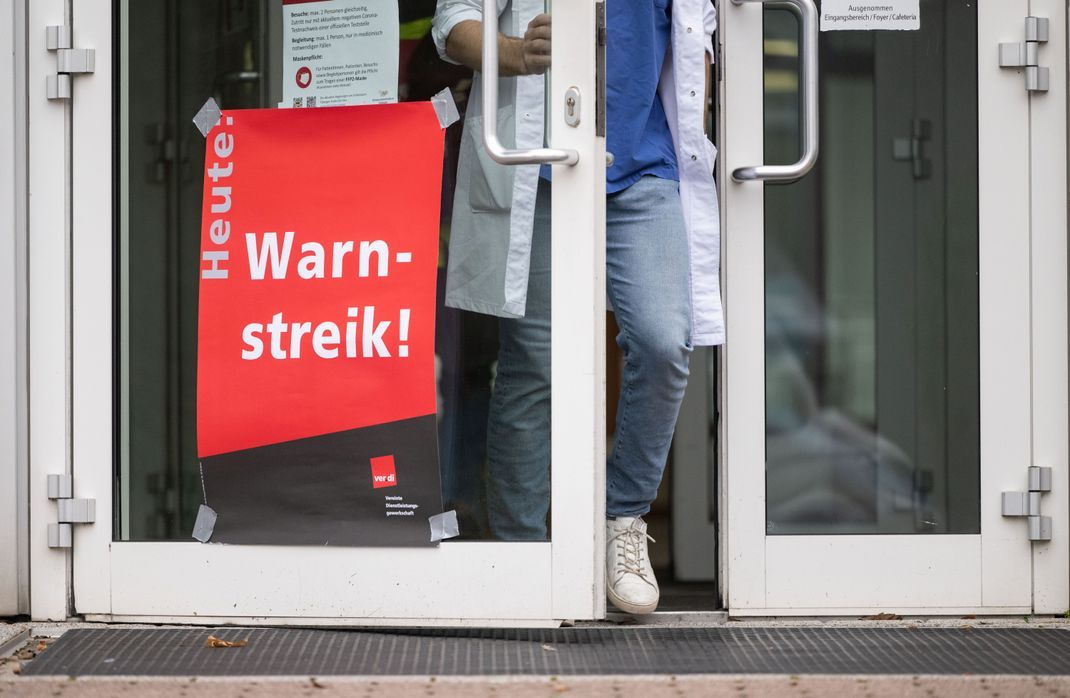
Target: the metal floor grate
pixel 562 651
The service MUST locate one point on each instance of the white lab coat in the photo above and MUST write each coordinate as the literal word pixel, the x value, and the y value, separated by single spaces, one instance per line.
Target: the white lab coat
pixel 494 205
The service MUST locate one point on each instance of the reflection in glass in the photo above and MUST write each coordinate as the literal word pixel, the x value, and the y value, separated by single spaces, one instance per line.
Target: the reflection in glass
pixel 173 55
pixel 872 394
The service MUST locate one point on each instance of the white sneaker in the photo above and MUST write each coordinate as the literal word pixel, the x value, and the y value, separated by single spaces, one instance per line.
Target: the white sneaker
pixel 630 583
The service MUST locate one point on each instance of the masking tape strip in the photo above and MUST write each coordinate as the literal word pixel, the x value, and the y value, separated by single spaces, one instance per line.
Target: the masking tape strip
pixel 444 526
pixel 445 107
pixel 205 524
pixel 208 116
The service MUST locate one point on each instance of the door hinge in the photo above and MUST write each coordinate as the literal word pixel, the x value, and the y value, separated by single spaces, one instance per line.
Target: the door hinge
pixel 68 510
pixel 1027 504
pixel 1026 54
pixel 69 61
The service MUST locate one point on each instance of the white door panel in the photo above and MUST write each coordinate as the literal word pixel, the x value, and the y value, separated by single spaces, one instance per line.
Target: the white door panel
pixel 813 572
pixel 810 523
pixel 456 583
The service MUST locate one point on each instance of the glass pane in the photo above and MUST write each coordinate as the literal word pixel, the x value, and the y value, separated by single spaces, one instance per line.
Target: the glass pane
pixel 173 55
pixel 872 393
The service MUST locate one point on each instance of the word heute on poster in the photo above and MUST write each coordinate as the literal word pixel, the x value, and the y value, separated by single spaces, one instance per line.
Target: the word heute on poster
pixel 339 52
pixel 316 400
pixel 840 15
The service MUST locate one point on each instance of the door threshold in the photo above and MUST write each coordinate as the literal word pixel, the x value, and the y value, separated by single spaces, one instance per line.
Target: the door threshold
pixel 678 619
pixel 324 623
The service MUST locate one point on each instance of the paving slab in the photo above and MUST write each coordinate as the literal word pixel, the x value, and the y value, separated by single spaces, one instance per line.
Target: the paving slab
pixel 719 686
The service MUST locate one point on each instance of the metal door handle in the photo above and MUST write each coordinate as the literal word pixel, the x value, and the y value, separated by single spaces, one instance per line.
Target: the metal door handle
pixel 498 152
pixel 806 11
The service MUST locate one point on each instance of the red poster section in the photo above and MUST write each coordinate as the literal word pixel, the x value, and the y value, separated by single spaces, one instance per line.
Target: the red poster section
pixel 319 248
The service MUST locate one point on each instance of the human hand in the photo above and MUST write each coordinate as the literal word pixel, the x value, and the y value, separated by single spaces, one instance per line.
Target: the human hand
pixel 535 46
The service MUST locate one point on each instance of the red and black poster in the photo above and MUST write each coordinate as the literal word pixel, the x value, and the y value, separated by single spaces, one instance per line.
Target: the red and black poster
pixel 316 382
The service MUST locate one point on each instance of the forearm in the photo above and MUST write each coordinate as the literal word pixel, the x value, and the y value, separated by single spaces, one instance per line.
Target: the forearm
pixel 465 45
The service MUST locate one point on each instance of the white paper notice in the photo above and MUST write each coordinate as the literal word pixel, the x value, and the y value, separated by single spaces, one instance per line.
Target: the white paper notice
pixel 903 15
pixel 339 52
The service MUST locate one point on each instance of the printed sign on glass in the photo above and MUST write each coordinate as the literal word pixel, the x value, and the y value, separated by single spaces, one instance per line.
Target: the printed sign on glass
pixel 316 380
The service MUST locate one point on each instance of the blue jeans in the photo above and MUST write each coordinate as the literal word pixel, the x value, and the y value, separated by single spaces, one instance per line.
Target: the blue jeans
pixel 648 282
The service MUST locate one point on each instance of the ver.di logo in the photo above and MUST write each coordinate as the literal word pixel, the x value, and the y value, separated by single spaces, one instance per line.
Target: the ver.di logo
pixel 383 472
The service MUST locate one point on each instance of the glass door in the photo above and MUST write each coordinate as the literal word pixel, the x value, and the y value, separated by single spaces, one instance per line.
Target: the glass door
pixel 884 302
pixel 136 182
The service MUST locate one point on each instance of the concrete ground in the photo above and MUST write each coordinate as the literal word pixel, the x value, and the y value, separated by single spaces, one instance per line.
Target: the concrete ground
pixel 31 638
pixel 550 687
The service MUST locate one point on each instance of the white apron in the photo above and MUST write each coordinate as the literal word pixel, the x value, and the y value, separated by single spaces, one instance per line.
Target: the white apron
pixel 494 205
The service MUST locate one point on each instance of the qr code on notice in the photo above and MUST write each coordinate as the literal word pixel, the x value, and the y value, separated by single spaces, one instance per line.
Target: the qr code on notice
pixel 310 101
pixel 297 102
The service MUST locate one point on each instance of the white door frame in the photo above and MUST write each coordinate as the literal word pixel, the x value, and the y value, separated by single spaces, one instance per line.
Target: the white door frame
pixel 14 502
pixel 1051 418
pixel 457 583
pixel 49 289
pixel 1023 382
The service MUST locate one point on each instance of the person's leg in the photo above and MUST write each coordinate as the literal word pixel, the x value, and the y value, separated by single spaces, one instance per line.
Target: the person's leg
pixel 647 271
pixel 648 278
pixel 518 428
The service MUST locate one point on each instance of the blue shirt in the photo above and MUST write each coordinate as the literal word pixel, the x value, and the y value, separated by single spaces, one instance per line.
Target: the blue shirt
pixel 637 130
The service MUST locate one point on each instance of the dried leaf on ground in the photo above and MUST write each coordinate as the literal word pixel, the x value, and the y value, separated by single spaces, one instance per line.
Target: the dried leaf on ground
pixel 214 642
pixel 316 683
pixel 883 616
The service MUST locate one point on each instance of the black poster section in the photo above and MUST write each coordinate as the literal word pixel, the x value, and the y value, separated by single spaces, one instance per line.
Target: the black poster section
pixel 375 486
